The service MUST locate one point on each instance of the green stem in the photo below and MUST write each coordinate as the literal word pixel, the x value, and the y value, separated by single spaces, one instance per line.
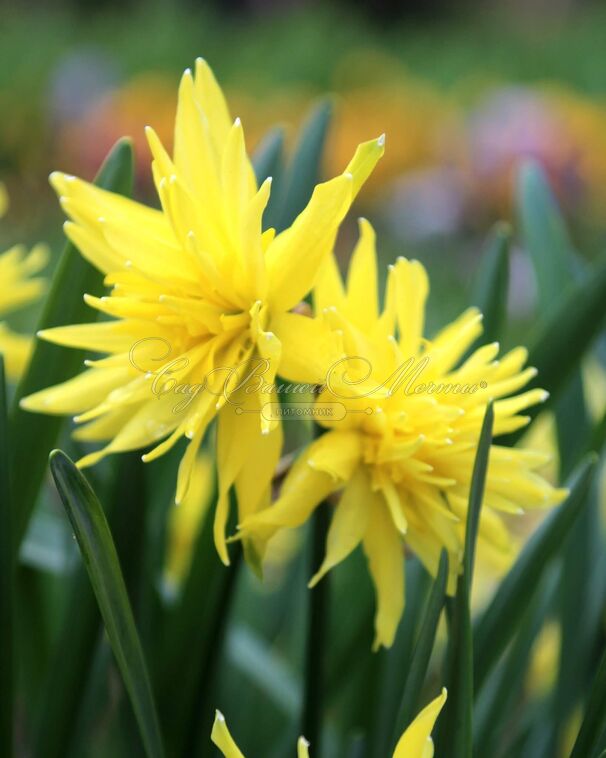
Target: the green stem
pixel 6 584
pixel 316 636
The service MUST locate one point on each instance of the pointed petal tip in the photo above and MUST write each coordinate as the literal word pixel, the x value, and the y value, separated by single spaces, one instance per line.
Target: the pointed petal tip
pixel 381 140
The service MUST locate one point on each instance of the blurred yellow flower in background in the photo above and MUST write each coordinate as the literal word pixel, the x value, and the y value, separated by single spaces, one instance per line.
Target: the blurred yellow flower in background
pixel 198 289
pixel 415 742
pixel 404 453
pixel 186 519
pixel 16 290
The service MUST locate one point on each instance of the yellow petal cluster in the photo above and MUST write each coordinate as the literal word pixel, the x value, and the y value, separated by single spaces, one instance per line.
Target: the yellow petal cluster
pixel 415 742
pixel 401 459
pixel 17 289
pixel 198 289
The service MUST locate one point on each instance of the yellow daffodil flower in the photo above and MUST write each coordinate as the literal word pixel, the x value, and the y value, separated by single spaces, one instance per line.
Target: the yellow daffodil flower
pixel 16 290
pixel 415 742
pixel 199 291
pixel 403 453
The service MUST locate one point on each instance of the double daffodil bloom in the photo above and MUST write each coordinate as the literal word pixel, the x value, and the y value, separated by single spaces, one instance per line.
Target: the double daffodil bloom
pixel 415 742
pixel 17 289
pixel 402 457
pixel 199 291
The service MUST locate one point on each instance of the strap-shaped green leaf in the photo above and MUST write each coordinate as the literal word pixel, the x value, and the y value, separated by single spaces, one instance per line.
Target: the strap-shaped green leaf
pixel 592 735
pixel 556 265
pixel 77 643
pixel 492 283
pixel 455 732
pixel 499 621
pixel 101 560
pixel 559 343
pixel 267 158
pixel 545 235
pixel 298 182
pixel 6 582
pixel 34 434
pixel 423 649
pixel 493 709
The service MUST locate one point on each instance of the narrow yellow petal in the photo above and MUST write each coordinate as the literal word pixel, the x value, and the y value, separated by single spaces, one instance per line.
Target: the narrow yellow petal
pixel 348 523
pixel 411 290
pixel 295 256
pixel 238 180
pixel 416 741
pixel 212 101
pixel 222 738
pixel 329 291
pixel 15 349
pixel 303 489
pixel 337 453
pixel 384 549
pixel 365 158
pixel 79 393
pixel 362 292
pixel 302 748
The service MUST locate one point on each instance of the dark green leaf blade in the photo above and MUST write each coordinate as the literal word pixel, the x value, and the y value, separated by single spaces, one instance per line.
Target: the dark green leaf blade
pixel 545 235
pixel 456 726
pixel 423 649
pixel 7 570
pixel 556 265
pixel 33 434
pixel 75 648
pixel 572 327
pixel 593 727
pixel 492 283
pixel 493 709
pixel 101 560
pixel 267 157
pixel 499 621
pixel 304 170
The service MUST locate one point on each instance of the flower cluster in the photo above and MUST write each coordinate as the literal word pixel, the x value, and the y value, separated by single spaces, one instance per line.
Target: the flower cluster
pixel 203 277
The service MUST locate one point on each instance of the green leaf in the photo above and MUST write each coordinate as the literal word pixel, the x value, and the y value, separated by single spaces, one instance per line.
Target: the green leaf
pixel 74 651
pixel 265 667
pixel 545 235
pixel 593 729
pixel 556 265
pixel 500 620
pixel 34 434
pixel 7 569
pixel 422 652
pixel 456 724
pixel 304 170
pixel 101 560
pixel 316 642
pixel 267 158
pixel 561 341
pixel 492 283
pixel 498 699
